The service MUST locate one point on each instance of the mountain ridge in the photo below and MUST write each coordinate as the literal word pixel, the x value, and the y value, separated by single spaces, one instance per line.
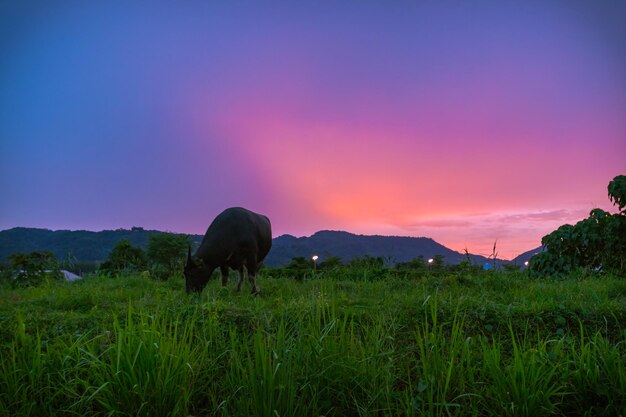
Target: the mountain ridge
pixel 92 246
pixel 347 246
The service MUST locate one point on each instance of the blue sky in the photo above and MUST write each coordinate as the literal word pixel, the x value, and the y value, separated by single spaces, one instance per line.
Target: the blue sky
pixel 462 122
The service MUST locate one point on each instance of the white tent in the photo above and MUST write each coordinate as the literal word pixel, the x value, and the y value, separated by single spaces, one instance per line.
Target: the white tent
pixel 70 276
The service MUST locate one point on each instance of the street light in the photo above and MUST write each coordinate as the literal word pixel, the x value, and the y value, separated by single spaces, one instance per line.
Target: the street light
pixel 526 263
pixel 430 263
pixel 315 258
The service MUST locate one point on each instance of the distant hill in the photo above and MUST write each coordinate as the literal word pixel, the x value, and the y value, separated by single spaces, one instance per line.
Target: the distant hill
pixel 90 246
pixel 84 245
pixel 520 259
pixel 348 246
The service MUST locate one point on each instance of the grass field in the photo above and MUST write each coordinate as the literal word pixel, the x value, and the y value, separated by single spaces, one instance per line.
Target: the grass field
pixel 335 344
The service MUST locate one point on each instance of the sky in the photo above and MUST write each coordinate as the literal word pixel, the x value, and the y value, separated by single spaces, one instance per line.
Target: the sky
pixel 467 122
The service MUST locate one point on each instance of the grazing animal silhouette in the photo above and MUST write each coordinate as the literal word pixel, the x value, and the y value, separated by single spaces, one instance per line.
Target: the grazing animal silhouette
pixel 237 238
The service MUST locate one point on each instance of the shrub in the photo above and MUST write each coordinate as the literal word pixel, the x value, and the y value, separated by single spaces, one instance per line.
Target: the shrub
pixel 35 268
pixel 124 258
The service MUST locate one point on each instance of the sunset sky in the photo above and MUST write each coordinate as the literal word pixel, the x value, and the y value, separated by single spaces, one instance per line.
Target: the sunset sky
pixel 467 122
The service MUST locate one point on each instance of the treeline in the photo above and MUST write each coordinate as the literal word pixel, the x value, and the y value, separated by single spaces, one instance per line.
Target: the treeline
pixel 163 258
pixel 75 245
pixel 371 268
pixel 166 254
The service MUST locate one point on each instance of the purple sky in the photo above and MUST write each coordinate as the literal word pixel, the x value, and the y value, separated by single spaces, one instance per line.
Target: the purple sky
pixel 466 123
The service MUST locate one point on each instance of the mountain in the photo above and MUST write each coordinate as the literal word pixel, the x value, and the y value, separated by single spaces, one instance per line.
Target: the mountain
pixel 348 246
pixel 83 245
pixel 90 246
pixel 524 257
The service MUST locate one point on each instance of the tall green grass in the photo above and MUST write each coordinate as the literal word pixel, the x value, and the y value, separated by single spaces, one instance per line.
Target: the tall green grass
pixel 444 380
pixel 148 367
pixel 484 345
pixel 526 383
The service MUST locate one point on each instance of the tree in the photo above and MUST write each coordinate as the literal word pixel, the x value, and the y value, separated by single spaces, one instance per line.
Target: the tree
pixel 299 267
pixel 34 268
pixel 416 264
pixel 596 243
pixel 167 253
pixel 438 264
pixel 125 258
pixel 368 262
pixel 330 263
pixel 299 263
pixel 617 192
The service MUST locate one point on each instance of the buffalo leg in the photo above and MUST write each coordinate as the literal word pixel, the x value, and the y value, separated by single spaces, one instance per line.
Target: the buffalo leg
pixel 252 279
pixel 240 279
pixel 252 268
pixel 224 271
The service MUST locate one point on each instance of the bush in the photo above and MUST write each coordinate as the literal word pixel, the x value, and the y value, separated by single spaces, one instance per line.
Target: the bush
pixel 35 268
pixel 124 258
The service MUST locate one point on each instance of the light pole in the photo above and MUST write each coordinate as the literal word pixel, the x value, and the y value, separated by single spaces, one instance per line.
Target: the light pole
pixel 315 258
pixel 430 263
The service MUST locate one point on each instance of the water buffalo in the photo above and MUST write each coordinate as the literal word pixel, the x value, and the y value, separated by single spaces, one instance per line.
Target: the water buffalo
pixel 236 238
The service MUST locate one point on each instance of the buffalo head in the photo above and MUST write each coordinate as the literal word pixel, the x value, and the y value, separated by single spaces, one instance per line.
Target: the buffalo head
pixel 196 274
